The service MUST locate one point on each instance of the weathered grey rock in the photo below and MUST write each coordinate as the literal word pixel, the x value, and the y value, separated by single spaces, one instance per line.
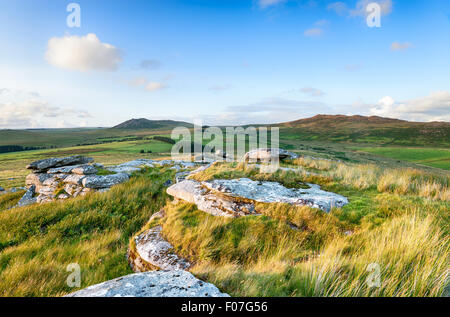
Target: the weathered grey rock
pixel 152 248
pixel 74 179
pixel 85 170
pixel 44 165
pixel 42 198
pixel 216 205
pixel 73 190
pixel 63 196
pixel 96 181
pixel 270 192
pixel 62 169
pixel 268 154
pixel 98 165
pixel 36 179
pixel 28 198
pixel 152 284
pixel 131 167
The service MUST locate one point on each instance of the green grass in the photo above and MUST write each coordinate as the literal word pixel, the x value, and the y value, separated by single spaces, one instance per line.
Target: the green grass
pixel 38 242
pixel 439 158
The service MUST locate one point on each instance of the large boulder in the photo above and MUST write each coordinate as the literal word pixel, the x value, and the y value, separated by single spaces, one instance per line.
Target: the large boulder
pixel 45 164
pixel 215 204
pixel 75 169
pixel 104 181
pixel 153 249
pixel 268 154
pixel 273 192
pixel 152 284
pixel 237 197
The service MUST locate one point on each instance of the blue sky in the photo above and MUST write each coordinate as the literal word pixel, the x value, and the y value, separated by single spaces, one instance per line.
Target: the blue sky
pixel 224 62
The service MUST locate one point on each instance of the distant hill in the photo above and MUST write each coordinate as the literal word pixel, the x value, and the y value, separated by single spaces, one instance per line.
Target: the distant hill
pixel 361 129
pixel 135 124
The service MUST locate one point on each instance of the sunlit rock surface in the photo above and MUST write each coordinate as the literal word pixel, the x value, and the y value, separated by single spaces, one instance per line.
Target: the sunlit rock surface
pixel 152 284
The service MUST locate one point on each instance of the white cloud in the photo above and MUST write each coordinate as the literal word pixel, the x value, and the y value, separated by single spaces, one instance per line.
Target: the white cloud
pixel 155 86
pixel 82 53
pixel 313 32
pixel 435 107
pixel 20 111
pixel 396 46
pixel 268 3
pixel 314 92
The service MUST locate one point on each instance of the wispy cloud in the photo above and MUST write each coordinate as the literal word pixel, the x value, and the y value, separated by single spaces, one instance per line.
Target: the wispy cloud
pixel 313 32
pixel 268 3
pixel 314 92
pixel 19 111
pixel 219 88
pixel 396 46
pixel 150 64
pixel 146 84
pixel 360 9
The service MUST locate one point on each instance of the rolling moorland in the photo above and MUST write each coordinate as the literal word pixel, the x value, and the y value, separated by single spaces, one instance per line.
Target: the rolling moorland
pixel 394 173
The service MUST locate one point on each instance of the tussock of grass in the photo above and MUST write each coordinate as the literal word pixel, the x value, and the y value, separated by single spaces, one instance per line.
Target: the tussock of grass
pixel 9 200
pixel 38 242
pixel 411 251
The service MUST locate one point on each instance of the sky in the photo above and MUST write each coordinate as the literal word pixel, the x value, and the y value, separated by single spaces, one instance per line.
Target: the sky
pixel 222 62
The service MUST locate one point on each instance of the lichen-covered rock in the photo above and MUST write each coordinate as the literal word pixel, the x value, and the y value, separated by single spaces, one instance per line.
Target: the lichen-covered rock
pixel 36 179
pixel 97 181
pixel 131 167
pixel 153 249
pixel 28 198
pixel 216 205
pixel 85 170
pixel 152 284
pixel 45 164
pixel 74 179
pixel 73 190
pixel 271 192
pixel 268 154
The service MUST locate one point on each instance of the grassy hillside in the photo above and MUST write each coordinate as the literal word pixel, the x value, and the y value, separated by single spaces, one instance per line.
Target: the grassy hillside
pixel 397 218
pixel 367 130
pixel 37 243
pixel 439 158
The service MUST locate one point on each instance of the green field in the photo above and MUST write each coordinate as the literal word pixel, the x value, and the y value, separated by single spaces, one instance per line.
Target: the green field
pixel 439 158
